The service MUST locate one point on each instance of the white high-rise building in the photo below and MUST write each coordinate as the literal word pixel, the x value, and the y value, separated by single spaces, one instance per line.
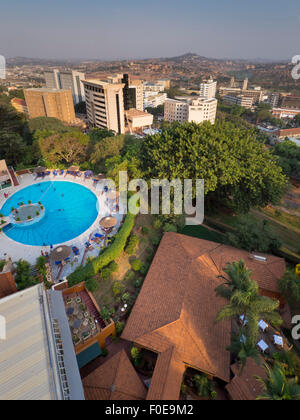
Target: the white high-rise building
pixel 208 89
pixel 191 109
pixel 105 105
pixel 67 80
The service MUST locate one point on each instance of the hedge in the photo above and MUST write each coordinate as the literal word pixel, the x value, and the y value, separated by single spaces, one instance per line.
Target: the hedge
pixel 110 254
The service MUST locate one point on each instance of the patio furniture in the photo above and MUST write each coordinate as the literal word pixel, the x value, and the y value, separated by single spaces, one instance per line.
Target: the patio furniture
pixel 70 311
pixel 243 320
pixel 243 339
pixel 61 253
pixel 263 325
pixel 278 341
pixel 75 250
pixel 263 346
pixel 85 323
pixel 77 324
pixel 86 315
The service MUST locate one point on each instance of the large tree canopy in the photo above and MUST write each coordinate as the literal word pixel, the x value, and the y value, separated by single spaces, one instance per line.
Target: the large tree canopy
pixel 236 167
pixel 70 147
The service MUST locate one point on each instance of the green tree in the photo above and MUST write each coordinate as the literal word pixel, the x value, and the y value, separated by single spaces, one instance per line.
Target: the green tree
pixel 254 236
pixel 68 148
pixel 237 169
pixel 243 351
pixel 245 300
pixel 289 286
pixel 277 387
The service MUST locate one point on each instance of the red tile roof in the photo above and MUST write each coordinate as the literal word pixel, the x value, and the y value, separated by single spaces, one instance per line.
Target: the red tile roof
pixel 7 284
pixel 116 379
pixel 244 386
pixel 177 307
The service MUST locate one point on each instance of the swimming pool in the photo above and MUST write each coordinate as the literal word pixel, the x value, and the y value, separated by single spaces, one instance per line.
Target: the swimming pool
pixel 70 210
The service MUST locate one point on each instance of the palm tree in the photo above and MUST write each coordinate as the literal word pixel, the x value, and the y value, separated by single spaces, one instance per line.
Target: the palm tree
pixel 277 387
pixel 243 350
pixel 245 300
pixel 238 277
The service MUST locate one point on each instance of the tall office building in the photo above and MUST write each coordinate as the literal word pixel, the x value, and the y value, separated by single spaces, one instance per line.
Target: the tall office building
pixel 105 105
pixel 67 80
pixel 191 109
pixel 208 89
pixel 133 92
pixel 50 103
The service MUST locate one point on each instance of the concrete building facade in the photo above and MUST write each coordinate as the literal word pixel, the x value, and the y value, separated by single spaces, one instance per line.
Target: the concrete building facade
pixel 208 89
pixel 105 105
pixel 50 103
pixel 191 109
pixel 67 80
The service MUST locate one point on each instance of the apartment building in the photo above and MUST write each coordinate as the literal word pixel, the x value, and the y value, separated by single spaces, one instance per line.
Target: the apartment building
pixel 256 94
pixel 67 80
pixel 56 103
pixel 105 104
pixel 208 89
pixel 191 109
pixel 154 86
pixel 154 99
pixel 283 113
pixel 241 100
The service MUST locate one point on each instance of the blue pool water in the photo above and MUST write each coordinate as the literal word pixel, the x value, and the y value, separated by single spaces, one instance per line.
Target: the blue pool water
pixel 70 209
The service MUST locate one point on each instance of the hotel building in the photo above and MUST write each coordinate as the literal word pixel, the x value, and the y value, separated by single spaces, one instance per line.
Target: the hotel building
pixel 191 109
pixel 105 105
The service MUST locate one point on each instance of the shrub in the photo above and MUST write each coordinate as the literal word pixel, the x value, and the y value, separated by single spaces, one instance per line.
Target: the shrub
pixel 117 288
pixel 136 265
pixel 155 240
pixel 126 297
pixel 139 282
pixel 170 228
pixel 92 284
pixel 104 352
pixel 132 244
pixel 145 230
pixel 119 328
pixel 157 224
pixel 109 255
pixel 144 269
pixel 105 313
pixel 136 356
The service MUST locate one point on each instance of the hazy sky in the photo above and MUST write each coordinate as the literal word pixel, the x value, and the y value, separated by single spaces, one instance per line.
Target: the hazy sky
pixel 114 29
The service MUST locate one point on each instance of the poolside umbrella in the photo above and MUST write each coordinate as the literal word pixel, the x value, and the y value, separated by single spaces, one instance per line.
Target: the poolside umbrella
pixel 108 222
pixel 61 253
pixel 73 169
pixel 113 195
pixel 39 170
pixel 99 177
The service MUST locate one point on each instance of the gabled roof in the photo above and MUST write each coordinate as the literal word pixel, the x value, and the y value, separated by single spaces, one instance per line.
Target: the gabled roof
pixel 114 380
pixel 244 386
pixel 177 305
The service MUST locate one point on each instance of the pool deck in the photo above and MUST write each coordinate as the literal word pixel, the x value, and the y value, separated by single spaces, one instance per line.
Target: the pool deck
pixel 17 251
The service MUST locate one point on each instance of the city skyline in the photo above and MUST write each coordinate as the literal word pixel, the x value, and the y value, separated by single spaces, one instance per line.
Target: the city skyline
pixel 135 30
